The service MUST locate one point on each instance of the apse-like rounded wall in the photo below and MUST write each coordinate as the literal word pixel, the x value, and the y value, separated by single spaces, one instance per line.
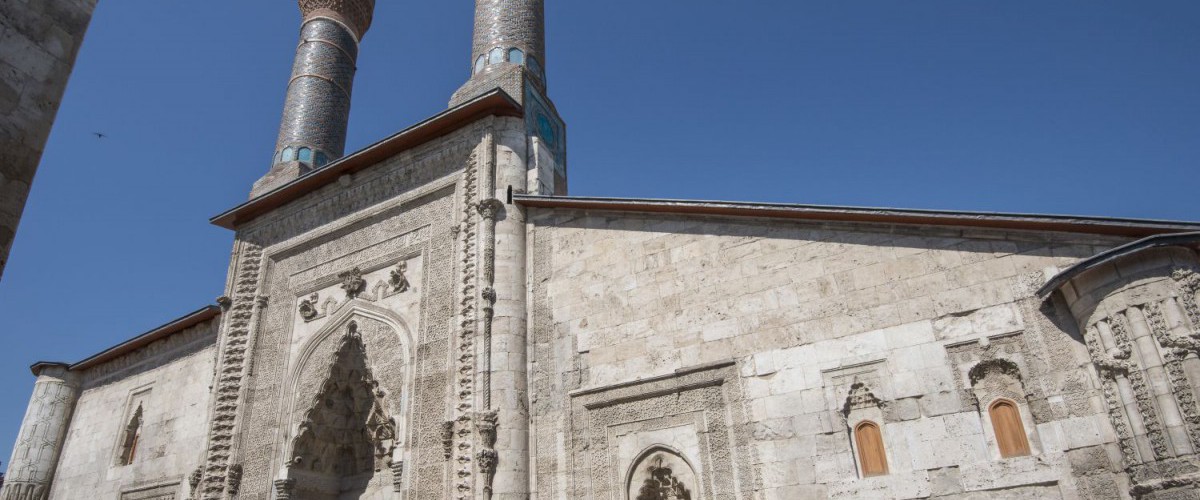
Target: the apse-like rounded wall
pixel 1141 278
pixel 1136 308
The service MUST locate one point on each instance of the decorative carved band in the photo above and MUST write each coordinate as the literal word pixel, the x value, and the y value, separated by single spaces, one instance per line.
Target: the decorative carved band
pixel 1188 281
pixel 1110 368
pixel 463 448
pixel 1175 350
pixel 239 321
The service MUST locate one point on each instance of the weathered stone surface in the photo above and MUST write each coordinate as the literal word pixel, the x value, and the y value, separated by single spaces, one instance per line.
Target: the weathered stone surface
pixel 410 331
pixel 38 44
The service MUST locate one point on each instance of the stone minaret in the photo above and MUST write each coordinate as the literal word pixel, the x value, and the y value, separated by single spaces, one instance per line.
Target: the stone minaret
pixel 509 35
pixel 313 132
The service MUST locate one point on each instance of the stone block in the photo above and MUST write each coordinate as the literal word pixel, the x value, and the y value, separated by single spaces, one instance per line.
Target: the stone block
pixel 941 403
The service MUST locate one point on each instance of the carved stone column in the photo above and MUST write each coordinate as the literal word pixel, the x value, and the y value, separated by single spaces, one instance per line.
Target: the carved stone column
pixel 508 393
pixel 43 431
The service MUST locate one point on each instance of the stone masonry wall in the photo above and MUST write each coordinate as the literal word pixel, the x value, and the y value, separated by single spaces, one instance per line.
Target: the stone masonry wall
pixel 38 43
pixel 170 380
pixel 823 326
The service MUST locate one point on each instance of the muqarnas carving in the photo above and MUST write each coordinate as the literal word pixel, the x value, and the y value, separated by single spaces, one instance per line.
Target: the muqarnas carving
pixel 347 434
pixel 662 475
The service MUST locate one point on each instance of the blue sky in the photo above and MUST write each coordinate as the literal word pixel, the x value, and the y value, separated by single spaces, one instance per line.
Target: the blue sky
pixel 1070 106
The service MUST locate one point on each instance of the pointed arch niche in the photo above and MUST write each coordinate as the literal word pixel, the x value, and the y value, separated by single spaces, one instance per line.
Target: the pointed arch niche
pixel 662 473
pixel 348 395
pixel 999 391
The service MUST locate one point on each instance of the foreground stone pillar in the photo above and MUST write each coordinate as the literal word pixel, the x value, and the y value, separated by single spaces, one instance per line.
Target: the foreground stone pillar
pixel 40 442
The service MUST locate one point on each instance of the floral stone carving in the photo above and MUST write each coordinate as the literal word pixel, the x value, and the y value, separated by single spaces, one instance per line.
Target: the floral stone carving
pixel 398 280
pixel 308 307
pixel 353 283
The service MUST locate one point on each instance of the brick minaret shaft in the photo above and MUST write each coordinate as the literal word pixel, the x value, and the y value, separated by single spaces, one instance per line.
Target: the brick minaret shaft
pixel 500 27
pixel 317 110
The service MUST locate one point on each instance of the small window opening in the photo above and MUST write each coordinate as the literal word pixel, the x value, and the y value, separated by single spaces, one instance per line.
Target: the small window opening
pixel 289 154
pixel 305 155
pixel 479 63
pixel 871 457
pixel 133 434
pixel 1010 432
pixel 516 56
pixel 496 56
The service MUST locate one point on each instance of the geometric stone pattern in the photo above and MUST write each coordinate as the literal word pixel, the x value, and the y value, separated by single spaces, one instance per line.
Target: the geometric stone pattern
pixel 415 193
pixel 38 44
pixel 510 23
pixel 317 109
pixel 35 455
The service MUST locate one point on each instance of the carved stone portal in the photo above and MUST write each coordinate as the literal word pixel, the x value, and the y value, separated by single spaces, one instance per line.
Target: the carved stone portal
pixel 346 438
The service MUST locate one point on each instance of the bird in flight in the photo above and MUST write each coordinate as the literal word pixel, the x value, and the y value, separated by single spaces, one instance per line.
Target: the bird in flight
pixel 99 135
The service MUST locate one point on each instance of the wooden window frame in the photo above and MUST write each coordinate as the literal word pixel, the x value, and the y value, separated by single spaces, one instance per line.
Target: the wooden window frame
pixel 866 451
pixel 1011 439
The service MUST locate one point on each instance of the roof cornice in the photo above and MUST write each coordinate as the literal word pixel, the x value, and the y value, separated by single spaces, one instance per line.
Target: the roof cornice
pixel 1190 240
pixel 493 103
pixel 1135 228
pixel 175 326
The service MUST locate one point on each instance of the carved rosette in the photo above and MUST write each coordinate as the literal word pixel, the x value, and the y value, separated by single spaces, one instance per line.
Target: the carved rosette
pixel 308 307
pixel 353 283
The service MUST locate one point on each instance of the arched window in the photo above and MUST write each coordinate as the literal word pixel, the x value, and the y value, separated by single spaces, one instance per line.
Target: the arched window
pixel 289 154
pixel 1010 433
pixel 133 433
pixel 305 155
pixel 496 56
pixel 516 56
pixel 479 64
pixel 871 458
